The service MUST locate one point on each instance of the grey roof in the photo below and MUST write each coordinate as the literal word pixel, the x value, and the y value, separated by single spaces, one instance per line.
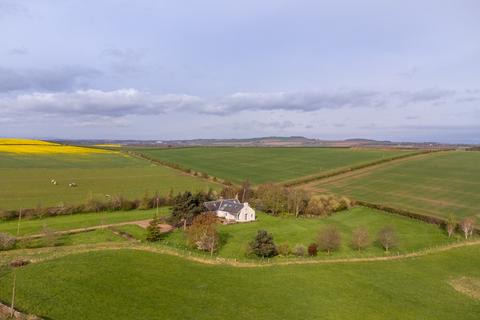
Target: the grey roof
pixel 232 206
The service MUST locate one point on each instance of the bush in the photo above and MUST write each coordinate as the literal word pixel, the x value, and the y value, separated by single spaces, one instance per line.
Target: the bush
pixel 387 237
pixel 324 205
pixel 451 225
pixel 283 249
pixel 360 238
pixel 312 250
pixel 299 250
pixel 263 245
pixel 329 239
pixel 7 241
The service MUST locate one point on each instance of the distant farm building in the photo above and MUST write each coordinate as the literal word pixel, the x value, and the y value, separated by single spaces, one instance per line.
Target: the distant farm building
pixel 231 210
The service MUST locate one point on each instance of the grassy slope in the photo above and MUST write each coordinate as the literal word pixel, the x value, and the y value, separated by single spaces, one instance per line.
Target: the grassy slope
pixel 262 165
pixel 439 184
pixel 25 179
pixel 128 284
pixel 412 234
pixel 78 221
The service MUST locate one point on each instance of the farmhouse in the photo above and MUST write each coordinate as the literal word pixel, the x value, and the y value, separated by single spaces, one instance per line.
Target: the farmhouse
pixel 231 209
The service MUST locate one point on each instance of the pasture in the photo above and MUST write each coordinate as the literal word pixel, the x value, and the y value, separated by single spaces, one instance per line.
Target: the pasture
pixel 25 178
pixel 130 284
pixel 412 235
pixel 262 165
pixel 438 184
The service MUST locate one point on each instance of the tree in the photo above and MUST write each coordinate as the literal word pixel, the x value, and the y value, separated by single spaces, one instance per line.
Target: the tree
pixel 246 192
pixel 322 205
pixel 312 249
pixel 360 238
pixel 271 198
pixel 187 206
pixel 51 237
pixel 387 237
pixel 451 225
pixel 329 239
pixel 468 225
pixel 299 250
pixel 263 245
pixel 153 230
pixel 297 200
pixel 283 249
pixel 203 234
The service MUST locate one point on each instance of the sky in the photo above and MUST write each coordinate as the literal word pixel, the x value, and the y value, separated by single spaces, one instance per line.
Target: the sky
pixel 116 69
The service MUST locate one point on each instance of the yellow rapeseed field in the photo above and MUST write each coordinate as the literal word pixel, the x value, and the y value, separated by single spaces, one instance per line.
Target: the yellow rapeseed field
pixel 25 146
pixel 4 141
pixel 111 145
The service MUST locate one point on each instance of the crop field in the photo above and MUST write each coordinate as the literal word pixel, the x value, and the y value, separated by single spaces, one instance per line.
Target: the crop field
pixel 438 184
pixel 98 285
pixel 25 178
pixel 262 165
pixel 412 235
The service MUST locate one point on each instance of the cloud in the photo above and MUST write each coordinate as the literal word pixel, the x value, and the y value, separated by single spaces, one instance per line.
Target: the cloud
pixel 425 95
pixel 124 61
pixel 44 80
pixel 10 8
pixel 18 52
pixel 113 104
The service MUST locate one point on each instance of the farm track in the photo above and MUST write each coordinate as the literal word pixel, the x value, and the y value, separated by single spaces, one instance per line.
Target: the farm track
pixel 313 185
pixel 140 223
pixel 51 253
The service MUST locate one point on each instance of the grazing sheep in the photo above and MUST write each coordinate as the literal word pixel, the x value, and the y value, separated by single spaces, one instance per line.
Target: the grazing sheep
pixel 72 185
pixel 53 181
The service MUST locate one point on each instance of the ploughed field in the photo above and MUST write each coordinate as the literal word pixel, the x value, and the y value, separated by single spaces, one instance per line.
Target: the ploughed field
pixel 130 284
pixel 261 165
pixel 26 172
pixel 437 184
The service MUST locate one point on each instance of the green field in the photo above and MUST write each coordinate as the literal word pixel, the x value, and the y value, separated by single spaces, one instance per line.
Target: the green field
pixel 262 165
pixel 438 184
pixel 83 220
pixel 412 235
pixel 129 284
pixel 25 179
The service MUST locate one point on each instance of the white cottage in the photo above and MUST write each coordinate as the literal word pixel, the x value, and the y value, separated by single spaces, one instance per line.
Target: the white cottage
pixel 231 209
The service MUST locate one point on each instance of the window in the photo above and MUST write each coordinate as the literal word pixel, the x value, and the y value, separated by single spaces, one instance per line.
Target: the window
pixel 246 216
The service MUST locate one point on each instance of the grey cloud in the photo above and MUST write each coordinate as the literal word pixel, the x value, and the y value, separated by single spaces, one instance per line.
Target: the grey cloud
pixel 86 103
pixel 44 80
pixel 425 95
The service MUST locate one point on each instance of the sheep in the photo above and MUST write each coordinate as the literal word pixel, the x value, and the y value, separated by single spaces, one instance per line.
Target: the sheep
pixel 72 185
pixel 53 181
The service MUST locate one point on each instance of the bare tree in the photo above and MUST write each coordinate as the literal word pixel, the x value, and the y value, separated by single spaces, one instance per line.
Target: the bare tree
pixel 360 238
pixel 451 225
pixel 329 239
pixel 468 225
pixel 297 200
pixel 387 237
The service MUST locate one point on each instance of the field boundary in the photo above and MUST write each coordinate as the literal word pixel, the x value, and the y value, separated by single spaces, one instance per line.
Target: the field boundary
pixel 52 253
pixel 314 178
pixel 187 171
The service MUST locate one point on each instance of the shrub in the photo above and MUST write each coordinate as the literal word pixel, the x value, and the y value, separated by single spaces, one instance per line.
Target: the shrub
pixel 7 241
pixel 329 239
pixel 360 238
pixel 263 245
pixel 283 249
pixel 312 249
pixel 299 250
pixel 323 205
pixel 387 237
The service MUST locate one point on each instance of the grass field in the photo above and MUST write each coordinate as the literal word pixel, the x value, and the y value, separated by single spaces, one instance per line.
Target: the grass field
pixel 25 179
pixel 125 284
pixel 84 220
pixel 262 165
pixel 438 184
pixel 412 235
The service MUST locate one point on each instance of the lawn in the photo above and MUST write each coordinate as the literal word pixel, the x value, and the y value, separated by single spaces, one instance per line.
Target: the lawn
pixel 25 179
pixel 262 165
pixel 412 235
pixel 438 184
pixel 80 220
pixel 128 284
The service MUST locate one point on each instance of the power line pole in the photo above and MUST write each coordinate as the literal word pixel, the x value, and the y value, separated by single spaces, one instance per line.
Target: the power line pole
pixel 12 310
